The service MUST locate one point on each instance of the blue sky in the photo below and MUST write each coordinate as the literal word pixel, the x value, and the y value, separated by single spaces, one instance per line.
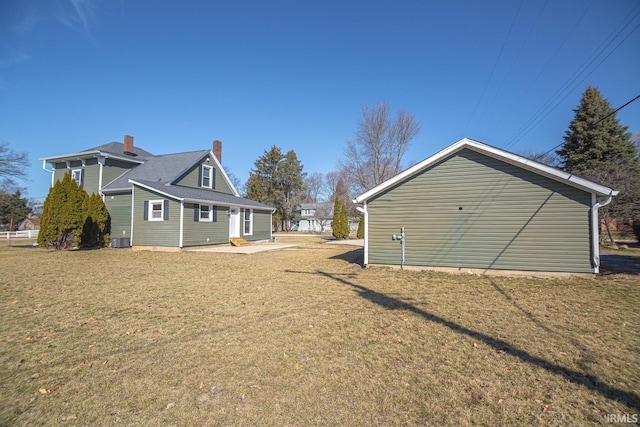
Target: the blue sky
pixel 75 74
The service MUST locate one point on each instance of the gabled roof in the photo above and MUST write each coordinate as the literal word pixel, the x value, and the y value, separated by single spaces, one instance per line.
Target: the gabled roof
pixel 112 149
pixel 163 169
pixel 199 195
pixel 497 153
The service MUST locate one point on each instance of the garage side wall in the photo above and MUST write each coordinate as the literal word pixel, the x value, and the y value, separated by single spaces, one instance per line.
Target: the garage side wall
pixel 474 211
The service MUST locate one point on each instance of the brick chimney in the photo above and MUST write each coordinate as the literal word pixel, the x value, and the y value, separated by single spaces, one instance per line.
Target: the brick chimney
pixel 128 144
pixel 217 150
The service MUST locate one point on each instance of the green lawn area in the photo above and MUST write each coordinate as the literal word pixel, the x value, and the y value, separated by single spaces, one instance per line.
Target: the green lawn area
pixel 306 337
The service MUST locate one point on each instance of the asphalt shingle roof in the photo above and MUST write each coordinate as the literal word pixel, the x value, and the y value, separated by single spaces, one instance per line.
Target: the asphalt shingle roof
pixel 162 169
pixel 117 148
pixel 202 195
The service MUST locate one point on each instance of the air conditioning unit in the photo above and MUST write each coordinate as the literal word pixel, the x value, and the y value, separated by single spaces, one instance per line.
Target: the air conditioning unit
pixel 120 242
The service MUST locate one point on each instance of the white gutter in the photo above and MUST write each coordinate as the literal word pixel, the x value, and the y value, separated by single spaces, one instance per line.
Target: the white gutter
pixel 595 228
pixel 366 231
pixel 52 172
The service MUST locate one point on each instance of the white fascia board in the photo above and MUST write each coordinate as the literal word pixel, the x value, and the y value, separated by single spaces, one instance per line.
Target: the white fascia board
pixel 499 154
pixel 89 154
pixel 224 174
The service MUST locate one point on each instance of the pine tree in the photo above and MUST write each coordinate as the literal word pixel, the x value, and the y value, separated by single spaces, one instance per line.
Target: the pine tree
pixel 62 217
pixel 277 180
pixel 360 232
pixel 13 209
pixel 95 228
pixel 597 147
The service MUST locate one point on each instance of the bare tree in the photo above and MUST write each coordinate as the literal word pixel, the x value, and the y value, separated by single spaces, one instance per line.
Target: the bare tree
pixel 314 183
pixel 12 163
pixel 323 214
pixel 547 158
pixel 379 144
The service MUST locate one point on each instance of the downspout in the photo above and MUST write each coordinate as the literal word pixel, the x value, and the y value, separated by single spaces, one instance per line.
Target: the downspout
pixel 180 239
pixel 52 172
pixel 101 163
pixel 133 191
pixel 364 211
pixel 595 229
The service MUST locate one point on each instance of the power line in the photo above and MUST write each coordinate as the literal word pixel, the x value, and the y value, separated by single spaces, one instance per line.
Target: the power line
pixel 593 124
pixel 566 88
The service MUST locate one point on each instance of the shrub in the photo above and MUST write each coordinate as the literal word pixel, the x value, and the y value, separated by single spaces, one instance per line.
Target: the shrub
pixel 62 215
pixel 360 232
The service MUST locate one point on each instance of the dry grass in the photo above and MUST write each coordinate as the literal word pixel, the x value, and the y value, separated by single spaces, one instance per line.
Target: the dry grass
pixel 304 337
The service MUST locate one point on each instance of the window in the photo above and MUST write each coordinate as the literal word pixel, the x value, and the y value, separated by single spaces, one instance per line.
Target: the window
pixel 207 176
pixel 207 213
pixel 248 222
pixel 76 175
pixel 156 210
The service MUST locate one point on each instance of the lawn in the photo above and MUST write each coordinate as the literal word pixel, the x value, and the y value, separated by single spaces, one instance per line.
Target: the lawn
pixel 306 337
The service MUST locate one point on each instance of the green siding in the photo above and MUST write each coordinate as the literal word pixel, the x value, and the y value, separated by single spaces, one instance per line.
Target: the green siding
pixel 205 233
pixel 119 206
pixel 191 179
pixel 261 226
pixel 90 173
pixel 90 176
pixel 511 219
pixel 154 233
pixel 113 168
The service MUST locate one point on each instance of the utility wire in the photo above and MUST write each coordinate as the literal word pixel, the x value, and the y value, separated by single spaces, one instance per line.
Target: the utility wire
pixel 504 44
pixel 544 111
pixel 593 124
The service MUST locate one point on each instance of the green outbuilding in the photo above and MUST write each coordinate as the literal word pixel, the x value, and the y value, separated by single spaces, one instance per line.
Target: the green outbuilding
pixel 474 207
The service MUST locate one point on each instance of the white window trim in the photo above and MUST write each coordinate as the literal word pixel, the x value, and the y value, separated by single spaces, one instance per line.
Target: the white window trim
pixel 244 221
pixel 150 213
pixel 210 168
pixel 79 180
pixel 210 219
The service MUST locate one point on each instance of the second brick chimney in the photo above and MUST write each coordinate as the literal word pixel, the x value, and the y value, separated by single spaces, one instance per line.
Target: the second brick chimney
pixel 128 144
pixel 217 150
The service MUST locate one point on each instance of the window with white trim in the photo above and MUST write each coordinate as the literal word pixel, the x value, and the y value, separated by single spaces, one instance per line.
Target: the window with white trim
pixel 207 176
pixel 248 222
pixel 156 210
pixel 76 175
pixel 207 213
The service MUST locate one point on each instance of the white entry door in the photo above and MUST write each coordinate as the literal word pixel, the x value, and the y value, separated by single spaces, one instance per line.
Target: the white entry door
pixel 234 222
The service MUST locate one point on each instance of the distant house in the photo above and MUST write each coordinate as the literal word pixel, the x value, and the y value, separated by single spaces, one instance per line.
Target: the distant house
pixel 31 222
pixel 476 207
pixel 166 201
pixel 316 217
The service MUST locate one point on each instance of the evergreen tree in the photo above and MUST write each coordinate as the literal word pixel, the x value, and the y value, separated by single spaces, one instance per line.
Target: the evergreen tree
pixel 13 209
pixel 340 224
pixel 95 229
pixel 62 218
pixel 277 180
pixel 597 147
pixel 360 232
pixel 344 219
pixel 335 226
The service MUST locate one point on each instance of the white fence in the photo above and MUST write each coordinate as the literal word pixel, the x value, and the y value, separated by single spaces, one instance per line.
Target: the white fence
pixel 22 234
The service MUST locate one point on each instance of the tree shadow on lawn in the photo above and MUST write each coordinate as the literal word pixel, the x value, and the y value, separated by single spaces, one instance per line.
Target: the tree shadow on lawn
pixel 586 380
pixel 616 264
